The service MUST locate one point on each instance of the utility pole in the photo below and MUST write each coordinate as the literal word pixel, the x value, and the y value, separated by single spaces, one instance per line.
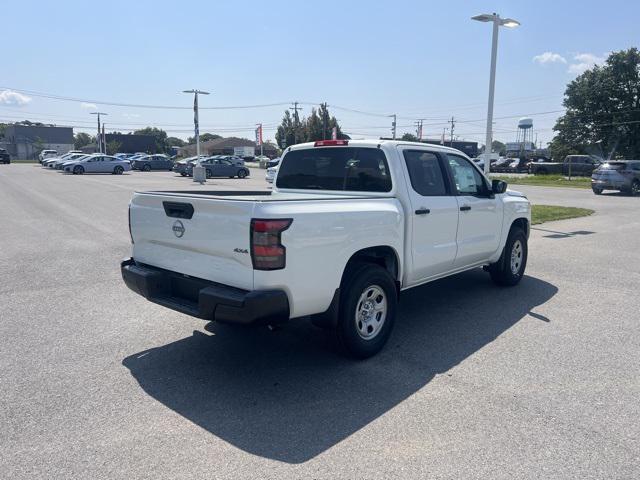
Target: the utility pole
pixel 453 125
pixel 418 124
pixel 98 140
pixel 393 125
pixel 296 121
pixel 198 171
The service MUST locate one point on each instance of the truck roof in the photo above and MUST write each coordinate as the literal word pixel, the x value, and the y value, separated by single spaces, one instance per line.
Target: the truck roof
pixel 375 143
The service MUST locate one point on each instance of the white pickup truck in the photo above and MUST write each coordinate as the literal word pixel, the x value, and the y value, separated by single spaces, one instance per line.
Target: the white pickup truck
pixel 347 227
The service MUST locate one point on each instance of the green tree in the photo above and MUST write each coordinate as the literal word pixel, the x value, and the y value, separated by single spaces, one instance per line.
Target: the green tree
pixel 603 110
pixel 285 135
pixel 409 137
pixel 82 139
pixel 175 142
pixel 317 126
pixel 159 135
pixel 204 137
pixel 113 146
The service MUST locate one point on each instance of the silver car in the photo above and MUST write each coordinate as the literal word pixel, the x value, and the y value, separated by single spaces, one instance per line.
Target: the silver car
pixel 622 175
pixel 97 164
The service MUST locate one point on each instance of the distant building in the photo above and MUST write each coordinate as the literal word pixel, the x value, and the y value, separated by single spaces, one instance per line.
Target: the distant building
pixel 129 143
pixel 27 141
pixel 219 146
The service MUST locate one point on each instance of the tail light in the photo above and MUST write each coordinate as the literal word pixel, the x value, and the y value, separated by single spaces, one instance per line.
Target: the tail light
pixel 267 251
pixel 130 234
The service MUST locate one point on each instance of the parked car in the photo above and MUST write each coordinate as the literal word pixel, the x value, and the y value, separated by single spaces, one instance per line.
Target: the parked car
pixel 501 165
pixel 4 156
pixel 54 162
pixel 368 218
pixel 271 174
pixel 222 167
pixel 621 175
pixel 147 163
pixel 572 165
pixel 181 165
pixel 97 163
pixel 46 154
pixel 273 163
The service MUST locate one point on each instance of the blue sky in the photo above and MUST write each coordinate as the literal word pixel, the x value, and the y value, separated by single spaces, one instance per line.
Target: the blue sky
pixel 417 59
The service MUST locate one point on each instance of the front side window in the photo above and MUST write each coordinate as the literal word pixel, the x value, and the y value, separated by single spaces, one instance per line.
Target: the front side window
pixel 354 169
pixel 425 173
pixel 467 179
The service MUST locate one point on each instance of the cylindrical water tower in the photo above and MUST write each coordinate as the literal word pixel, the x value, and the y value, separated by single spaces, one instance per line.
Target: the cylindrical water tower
pixel 525 133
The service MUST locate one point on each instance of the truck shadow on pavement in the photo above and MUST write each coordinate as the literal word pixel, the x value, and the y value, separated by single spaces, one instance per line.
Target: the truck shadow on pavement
pixel 284 395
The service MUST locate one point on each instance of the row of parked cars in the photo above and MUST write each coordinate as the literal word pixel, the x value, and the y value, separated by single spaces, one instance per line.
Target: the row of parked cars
pixel 77 162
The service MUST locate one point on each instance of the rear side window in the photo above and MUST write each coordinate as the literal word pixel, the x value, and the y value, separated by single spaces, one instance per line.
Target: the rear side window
pixel 425 173
pixel 335 168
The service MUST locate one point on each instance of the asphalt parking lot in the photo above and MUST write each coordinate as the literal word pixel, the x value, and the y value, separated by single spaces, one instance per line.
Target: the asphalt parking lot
pixel 538 381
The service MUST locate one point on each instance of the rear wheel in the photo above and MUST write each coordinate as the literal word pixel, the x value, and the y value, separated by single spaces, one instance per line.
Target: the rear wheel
pixel 183 174
pixel 118 170
pixel 368 302
pixel 596 190
pixel 146 168
pixel 78 170
pixel 635 188
pixel 509 269
pixel 242 173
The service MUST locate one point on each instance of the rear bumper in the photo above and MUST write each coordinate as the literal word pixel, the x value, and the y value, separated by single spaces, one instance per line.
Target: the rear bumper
pixel 205 299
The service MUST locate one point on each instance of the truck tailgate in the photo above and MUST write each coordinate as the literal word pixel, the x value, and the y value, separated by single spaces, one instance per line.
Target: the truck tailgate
pixel 196 236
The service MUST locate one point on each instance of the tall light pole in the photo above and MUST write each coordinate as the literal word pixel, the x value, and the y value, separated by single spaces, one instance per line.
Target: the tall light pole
pixel 497 23
pixel 198 171
pixel 98 139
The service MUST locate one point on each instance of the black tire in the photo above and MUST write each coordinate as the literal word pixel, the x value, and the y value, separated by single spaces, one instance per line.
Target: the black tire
pixel 635 188
pixel 146 168
pixel 503 272
pixel 117 170
pixel 78 170
pixel 242 173
pixel 183 174
pixel 208 173
pixel 360 280
pixel 596 190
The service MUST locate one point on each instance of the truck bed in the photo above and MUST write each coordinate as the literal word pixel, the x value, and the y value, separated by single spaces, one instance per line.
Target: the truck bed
pixel 256 196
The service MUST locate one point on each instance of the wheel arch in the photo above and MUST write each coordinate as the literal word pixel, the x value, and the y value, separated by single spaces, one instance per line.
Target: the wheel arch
pixel 383 255
pixel 522 223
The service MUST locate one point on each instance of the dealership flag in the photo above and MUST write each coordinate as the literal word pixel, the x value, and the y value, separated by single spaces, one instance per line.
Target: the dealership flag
pixel 259 134
pixel 104 141
pixel 334 133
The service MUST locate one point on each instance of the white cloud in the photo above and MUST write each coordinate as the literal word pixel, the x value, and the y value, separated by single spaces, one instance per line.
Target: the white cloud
pixel 88 106
pixel 13 99
pixel 549 57
pixel 584 61
pixel 131 115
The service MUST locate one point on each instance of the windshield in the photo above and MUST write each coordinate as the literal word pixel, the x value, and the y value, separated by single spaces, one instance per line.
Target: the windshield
pixel 335 168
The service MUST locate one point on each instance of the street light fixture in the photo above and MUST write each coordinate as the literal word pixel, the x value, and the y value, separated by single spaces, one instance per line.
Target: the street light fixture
pixel 198 171
pixel 98 139
pixel 497 22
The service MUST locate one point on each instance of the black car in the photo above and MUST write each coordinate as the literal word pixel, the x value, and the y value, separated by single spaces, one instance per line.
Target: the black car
pixel 222 167
pixel 4 156
pixel 152 162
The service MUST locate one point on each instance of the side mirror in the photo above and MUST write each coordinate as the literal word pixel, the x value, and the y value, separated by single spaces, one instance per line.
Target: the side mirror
pixel 498 186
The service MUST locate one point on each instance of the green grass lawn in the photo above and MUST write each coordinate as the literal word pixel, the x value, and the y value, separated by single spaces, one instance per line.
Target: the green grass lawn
pixel 546 181
pixel 549 213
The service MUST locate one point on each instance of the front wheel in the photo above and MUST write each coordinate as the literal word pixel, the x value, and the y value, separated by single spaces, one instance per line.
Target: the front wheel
pixel 208 173
pixel 78 170
pixel 635 188
pixel 146 168
pixel 509 269
pixel 368 303
pixel 596 190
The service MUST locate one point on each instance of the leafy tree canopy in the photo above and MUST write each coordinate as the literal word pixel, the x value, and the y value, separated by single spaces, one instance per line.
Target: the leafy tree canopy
pixel 603 110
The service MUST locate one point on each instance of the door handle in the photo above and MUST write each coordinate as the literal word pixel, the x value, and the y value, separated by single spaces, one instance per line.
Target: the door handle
pixel 465 208
pixel 422 211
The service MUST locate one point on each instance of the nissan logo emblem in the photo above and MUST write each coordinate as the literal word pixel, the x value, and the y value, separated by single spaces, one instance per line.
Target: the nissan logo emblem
pixel 178 228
